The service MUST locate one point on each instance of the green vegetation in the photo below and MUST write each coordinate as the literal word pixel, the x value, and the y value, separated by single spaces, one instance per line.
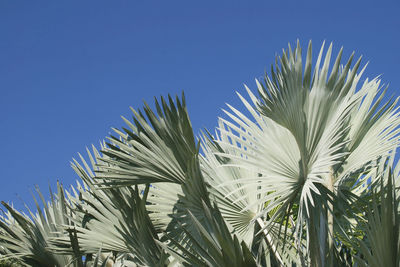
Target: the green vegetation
pixel 308 179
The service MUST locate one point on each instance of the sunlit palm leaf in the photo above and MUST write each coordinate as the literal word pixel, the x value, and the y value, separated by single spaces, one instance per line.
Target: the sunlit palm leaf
pixel 309 130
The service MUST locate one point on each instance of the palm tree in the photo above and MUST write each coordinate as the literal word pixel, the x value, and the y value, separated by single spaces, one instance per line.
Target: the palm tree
pixel 307 179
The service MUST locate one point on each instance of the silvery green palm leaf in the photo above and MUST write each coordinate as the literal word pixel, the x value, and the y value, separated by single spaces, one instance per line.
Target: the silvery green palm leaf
pixel 152 150
pixel 194 192
pixel 208 242
pixel 232 202
pixel 113 219
pixel 28 237
pixel 116 221
pixel 381 244
pixel 103 214
pixel 160 201
pixel 234 197
pixel 212 244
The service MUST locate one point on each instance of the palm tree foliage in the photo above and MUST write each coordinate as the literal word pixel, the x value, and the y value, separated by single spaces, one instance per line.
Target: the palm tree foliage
pixel 306 178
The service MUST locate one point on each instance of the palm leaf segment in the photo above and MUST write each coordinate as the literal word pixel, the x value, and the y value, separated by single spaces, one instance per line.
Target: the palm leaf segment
pixel 207 240
pixel 381 225
pixel 28 238
pixel 154 151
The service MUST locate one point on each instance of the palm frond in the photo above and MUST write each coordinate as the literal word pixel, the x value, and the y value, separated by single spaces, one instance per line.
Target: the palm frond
pixel 115 220
pixel 151 151
pixel 307 129
pixel 211 243
pixel 27 238
pixel 380 245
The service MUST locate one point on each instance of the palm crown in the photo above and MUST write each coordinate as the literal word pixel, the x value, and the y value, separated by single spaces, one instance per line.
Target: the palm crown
pixel 307 179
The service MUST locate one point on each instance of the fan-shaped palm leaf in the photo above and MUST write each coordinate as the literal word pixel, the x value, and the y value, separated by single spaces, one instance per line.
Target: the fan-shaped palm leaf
pixel 312 135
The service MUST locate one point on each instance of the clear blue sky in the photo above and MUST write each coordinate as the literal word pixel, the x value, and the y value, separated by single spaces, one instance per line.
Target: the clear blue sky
pixel 69 69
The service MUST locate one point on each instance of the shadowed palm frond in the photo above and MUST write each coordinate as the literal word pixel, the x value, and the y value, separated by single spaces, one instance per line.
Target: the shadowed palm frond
pixel 28 237
pixel 380 245
pixel 151 151
pixel 206 241
pixel 113 219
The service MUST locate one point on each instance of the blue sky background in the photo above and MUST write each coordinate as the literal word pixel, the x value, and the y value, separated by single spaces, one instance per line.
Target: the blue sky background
pixel 69 69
